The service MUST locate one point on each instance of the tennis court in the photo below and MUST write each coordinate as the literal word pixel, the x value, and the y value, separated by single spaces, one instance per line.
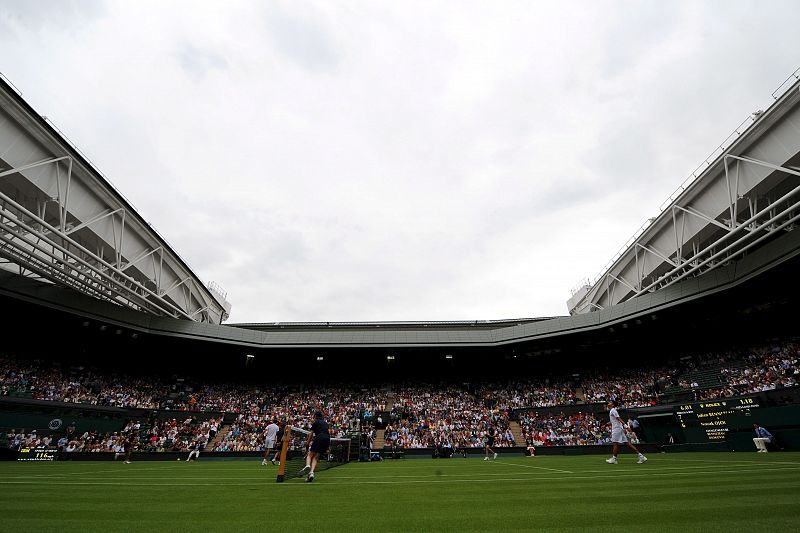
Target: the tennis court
pixel 689 492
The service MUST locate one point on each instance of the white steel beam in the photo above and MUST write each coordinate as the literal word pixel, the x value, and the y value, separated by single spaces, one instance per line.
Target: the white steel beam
pixel 53 194
pixel 703 227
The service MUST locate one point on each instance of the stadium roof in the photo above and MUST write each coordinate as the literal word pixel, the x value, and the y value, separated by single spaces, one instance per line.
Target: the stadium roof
pixel 413 324
pixel 65 223
pixel 743 193
pixel 758 264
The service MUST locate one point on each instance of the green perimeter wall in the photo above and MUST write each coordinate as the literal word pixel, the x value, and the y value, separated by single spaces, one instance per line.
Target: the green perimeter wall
pixel 40 417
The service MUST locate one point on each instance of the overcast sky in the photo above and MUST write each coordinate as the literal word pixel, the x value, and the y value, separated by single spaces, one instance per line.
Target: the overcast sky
pixel 342 161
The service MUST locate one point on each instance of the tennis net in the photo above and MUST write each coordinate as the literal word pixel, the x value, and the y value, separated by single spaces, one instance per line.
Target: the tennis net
pixel 294 449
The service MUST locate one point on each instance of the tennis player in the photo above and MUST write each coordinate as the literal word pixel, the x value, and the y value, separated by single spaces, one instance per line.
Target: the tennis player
pixel 194 450
pixel 489 443
pixel 279 440
pixel 320 439
pixel 618 435
pixel 127 446
pixel 269 438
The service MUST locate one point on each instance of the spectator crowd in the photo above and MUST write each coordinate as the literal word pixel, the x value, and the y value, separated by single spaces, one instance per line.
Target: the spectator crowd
pixel 445 416
pixel 152 436
pixel 563 430
pixel 416 415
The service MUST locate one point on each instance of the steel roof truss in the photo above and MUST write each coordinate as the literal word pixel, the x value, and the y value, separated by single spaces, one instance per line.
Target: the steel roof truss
pixel 39 226
pixel 770 224
pixel 739 236
pixel 24 245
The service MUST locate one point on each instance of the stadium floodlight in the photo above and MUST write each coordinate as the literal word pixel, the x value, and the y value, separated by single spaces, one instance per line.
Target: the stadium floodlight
pixel 250 356
pixel 448 356
pixel 320 358
pixel 390 358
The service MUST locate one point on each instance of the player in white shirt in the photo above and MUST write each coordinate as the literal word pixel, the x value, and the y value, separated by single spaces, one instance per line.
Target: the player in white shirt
pixel 269 438
pixel 618 434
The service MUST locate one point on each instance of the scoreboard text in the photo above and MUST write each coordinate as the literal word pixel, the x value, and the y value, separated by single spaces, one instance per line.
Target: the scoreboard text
pixel 37 454
pixel 712 420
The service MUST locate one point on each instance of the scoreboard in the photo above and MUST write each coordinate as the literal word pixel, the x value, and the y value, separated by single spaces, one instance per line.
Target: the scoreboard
pixel 37 454
pixel 712 420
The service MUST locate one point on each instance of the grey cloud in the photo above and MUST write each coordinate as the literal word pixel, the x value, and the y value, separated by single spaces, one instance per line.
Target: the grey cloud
pixel 198 61
pixel 659 126
pixel 445 173
pixel 304 38
pixel 33 15
pixel 632 34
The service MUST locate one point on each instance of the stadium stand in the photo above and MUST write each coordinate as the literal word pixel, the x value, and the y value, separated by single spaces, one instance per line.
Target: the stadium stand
pixel 232 418
pixel 579 429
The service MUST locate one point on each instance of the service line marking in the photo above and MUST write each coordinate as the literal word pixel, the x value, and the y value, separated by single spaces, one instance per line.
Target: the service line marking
pixel 537 467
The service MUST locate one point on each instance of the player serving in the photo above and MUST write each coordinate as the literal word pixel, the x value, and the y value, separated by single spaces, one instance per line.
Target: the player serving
pixel 320 439
pixel 618 434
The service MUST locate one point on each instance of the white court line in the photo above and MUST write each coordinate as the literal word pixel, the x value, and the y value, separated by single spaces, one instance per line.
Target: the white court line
pixel 332 475
pixel 269 478
pixel 62 474
pixel 736 461
pixel 217 466
pixel 126 470
pixel 114 471
pixel 531 466
pixel 402 482
pixel 132 468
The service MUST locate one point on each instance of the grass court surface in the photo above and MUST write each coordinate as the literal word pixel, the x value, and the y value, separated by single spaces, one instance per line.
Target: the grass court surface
pixel 673 492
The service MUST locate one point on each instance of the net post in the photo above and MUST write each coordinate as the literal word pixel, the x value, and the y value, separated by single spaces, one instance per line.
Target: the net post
pixel 287 438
